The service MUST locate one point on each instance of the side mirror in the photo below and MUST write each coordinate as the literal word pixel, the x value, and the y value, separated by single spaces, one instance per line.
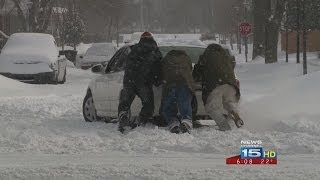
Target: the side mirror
pixel 61 53
pixel 98 69
pixel 81 57
pixel 108 70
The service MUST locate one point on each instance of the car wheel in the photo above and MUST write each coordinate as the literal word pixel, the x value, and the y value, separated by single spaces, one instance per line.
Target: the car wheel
pixel 89 110
pixel 54 78
pixel 64 77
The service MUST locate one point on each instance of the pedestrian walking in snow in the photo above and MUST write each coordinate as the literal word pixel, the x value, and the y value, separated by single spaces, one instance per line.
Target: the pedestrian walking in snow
pixel 142 71
pixel 177 91
pixel 220 92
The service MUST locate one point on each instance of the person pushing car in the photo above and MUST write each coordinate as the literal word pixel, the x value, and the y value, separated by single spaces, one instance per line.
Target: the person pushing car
pixel 177 91
pixel 220 92
pixel 142 71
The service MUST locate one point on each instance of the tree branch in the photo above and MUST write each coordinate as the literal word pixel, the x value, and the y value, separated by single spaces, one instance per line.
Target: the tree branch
pixel 21 14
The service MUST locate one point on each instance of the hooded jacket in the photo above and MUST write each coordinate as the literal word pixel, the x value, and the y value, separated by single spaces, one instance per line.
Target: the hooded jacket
pixel 217 69
pixel 143 64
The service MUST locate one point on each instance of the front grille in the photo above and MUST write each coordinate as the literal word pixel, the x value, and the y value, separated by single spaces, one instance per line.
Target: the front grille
pixel 32 78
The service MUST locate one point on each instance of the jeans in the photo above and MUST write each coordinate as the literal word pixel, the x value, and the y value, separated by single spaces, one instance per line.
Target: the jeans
pixel 177 99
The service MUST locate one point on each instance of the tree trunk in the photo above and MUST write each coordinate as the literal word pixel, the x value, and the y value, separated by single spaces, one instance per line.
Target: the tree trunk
pixel 271 42
pixel 287 44
pixel 275 14
pixel 304 35
pixel 231 41
pixel 21 16
pixel 259 19
pixel 298 31
pixel 109 36
pixel 287 38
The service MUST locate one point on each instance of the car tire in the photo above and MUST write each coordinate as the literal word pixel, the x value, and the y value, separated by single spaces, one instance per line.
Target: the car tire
pixel 88 109
pixel 54 78
pixel 64 77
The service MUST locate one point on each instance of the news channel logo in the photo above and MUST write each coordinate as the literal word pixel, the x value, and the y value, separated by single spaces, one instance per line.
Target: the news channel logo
pixel 252 152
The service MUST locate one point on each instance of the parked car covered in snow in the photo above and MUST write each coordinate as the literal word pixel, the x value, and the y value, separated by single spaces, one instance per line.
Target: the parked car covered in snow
pixel 33 57
pixel 97 54
pixel 102 97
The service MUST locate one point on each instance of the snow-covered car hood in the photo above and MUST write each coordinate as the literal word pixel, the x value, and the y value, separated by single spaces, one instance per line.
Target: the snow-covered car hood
pixel 16 68
pixel 25 63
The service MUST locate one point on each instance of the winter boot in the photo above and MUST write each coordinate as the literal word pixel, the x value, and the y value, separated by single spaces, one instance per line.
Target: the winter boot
pixel 124 123
pixel 186 126
pixel 174 127
pixel 222 123
pixel 237 120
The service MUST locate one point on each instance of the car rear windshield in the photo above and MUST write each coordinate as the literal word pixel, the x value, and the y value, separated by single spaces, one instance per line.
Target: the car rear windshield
pixel 101 50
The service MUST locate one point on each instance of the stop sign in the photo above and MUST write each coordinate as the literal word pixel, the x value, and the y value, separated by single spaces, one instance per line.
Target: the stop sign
pixel 245 28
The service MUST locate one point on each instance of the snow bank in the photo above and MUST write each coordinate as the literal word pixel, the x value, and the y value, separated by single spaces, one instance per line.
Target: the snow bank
pixel 293 100
pixel 10 87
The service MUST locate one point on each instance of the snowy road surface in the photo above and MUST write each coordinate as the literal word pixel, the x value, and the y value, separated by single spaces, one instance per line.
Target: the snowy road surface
pixel 43 134
pixel 115 165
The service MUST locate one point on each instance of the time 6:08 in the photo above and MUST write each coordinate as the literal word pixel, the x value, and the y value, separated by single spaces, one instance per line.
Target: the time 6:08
pixel 244 161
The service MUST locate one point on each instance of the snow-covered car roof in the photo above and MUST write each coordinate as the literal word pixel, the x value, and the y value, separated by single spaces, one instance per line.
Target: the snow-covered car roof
pixel 177 42
pixel 32 46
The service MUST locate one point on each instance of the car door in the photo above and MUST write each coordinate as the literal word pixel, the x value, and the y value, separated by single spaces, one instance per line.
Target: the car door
pixel 109 85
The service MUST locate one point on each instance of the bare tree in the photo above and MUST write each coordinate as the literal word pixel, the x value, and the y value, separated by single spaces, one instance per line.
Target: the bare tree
pixel 37 16
pixel 275 16
pixel 259 19
pixel 108 12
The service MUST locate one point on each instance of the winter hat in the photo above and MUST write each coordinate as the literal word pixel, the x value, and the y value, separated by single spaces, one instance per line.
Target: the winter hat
pixel 146 35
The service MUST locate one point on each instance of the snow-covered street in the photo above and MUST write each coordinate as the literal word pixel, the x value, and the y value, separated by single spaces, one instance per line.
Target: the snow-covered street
pixel 43 134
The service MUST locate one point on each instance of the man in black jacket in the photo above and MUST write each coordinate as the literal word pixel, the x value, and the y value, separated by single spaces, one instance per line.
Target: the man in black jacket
pixel 142 71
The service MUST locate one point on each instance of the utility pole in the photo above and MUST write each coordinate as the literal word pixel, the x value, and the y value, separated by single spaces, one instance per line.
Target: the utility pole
pixel 298 31
pixel 287 33
pixel 237 22
pixel 118 34
pixel 304 36
pixel 245 4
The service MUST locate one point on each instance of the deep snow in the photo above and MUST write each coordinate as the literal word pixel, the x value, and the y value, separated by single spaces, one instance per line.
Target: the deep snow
pixel 43 134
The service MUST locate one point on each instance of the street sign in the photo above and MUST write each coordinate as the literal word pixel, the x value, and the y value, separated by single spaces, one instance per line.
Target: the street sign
pixel 245 28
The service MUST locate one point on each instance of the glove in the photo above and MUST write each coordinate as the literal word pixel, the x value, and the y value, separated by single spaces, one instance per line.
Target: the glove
pixel 158 83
